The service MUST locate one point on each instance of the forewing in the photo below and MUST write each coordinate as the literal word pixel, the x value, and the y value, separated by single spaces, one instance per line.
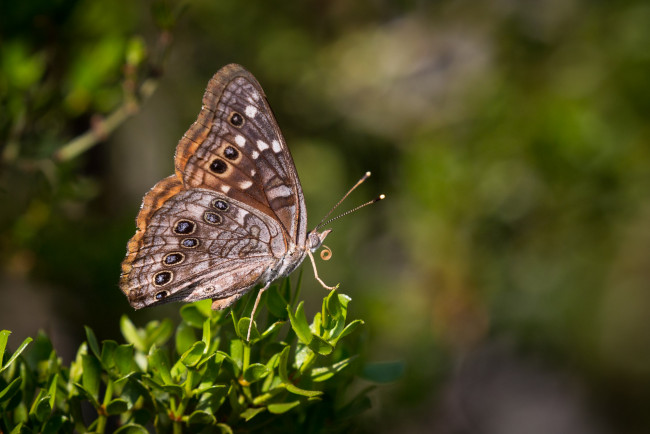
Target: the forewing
pixel 236 147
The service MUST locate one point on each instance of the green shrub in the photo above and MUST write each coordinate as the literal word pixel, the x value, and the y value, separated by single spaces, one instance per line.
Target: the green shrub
pixel 204 376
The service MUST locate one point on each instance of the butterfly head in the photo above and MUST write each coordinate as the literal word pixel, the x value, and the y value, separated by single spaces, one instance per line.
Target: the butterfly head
pixel 315 239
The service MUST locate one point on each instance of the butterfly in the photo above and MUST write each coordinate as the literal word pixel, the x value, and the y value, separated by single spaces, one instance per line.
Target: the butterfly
pixel 232 216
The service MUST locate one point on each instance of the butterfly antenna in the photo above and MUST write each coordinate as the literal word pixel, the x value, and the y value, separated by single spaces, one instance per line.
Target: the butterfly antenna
pixel 377 199
pixel 359 182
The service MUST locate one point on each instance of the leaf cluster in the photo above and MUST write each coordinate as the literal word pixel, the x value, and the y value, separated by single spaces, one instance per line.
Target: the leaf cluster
pixel 201 376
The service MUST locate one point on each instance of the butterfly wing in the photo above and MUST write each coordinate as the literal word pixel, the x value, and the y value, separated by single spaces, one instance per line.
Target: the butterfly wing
pixel 196 244
pixel 236 147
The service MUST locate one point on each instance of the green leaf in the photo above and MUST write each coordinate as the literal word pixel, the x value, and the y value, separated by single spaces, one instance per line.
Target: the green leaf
pixel 124 358
pixel 237 352
pixel 383 372
pixel 320 346
pixel 225 429
pixel 200 417
pixel 242 329
pixel 303 355
pixel 255 372
pixel 4 337
pixel 210 368
pixel 92 342
pixel 54 424
pixel 193 356
pixel 108 353
pixel 251 412
pixel 207 333
pixel 331 311
pixel 348 329
pixel 131 334
pixel 159 333
pixel 167 388
pixel 232 363
pixel 131 428
pixel 52 389
pixel 185 337
pixel 193 316
pixel 299 324
pixel 117 406
pixel 132 391
pixel 41 408
pixel 282 364
pixel 87 395
pixel 158 361
pixel 16 353
pixel 282 407
pixel 272 329
pixel 327 372
pixel 17 429
pixel 91 374
pixel 303 392
pixel 9 391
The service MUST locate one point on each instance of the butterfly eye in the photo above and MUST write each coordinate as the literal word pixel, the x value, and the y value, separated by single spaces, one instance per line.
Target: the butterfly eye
pixel 160 295
pixel 162 278
pixel 212 218
pixel 236 120
pixel 218 166
pixel 231 153
pixel 221 205
pixel 173 258
pixel 184 227
pixel 190 243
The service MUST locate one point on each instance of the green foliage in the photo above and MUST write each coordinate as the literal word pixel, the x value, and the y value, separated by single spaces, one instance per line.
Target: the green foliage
pixel 210 379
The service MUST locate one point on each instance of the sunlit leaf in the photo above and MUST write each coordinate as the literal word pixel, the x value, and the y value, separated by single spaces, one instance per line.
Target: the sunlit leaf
pixel 251 412
pixel 255 372
pixel 283 407
pixel 16 353
pixel 91 374
pixel 299 324
pixel 327 372
pixel 92 342
pixel 193 316
pixel 193 356
pixel 130 333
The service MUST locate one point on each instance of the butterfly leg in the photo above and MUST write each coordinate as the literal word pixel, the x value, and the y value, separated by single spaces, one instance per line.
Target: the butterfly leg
pixel 257 302
pixel 313 263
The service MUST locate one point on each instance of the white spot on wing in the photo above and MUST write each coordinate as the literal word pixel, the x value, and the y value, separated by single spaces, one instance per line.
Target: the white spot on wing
pixel 251 111
pixel 253 172
pixel 245 184
pixel 225 188
pixel 255 95
pixel 276 146
pixel 240 140
pixel 280 191
pixel 261 145
pixel 255 154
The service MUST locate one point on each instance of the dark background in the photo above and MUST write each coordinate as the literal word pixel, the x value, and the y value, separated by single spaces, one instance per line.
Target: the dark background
pixel 509 267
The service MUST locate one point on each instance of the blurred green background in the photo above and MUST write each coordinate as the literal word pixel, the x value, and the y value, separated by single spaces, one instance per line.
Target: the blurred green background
pixel 509 267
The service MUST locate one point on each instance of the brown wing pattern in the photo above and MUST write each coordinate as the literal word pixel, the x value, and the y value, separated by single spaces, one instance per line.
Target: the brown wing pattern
pixel 198 244
pixel 235 147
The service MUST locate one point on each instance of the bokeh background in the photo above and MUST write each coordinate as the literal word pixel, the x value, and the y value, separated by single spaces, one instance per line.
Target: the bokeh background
pixel 509 268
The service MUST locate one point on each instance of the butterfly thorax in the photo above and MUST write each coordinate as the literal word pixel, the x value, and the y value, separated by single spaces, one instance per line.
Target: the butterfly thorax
pixel 294 256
